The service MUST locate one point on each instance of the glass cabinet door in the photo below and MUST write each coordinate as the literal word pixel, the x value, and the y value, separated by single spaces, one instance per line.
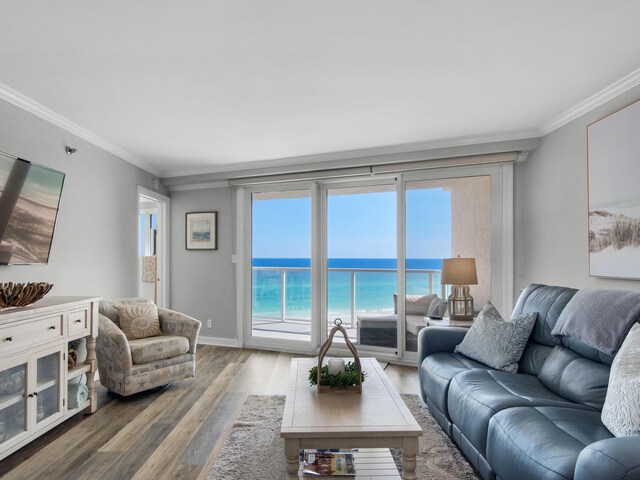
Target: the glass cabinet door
pixel 13 395
pixel 46 395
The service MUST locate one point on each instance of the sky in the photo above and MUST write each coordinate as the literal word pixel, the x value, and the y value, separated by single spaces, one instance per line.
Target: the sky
pixel 359 226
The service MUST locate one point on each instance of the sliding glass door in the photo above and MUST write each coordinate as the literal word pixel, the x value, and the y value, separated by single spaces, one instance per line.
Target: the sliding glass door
pixel 361 264
pixel 445 217
pixel 370 252
pixel 281 281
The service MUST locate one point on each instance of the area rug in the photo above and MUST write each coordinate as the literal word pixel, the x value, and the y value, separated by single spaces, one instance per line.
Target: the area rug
pixel 254 450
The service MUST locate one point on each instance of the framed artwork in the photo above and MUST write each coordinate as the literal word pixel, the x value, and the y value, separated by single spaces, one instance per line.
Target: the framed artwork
pixel 613 147
pixel 202 231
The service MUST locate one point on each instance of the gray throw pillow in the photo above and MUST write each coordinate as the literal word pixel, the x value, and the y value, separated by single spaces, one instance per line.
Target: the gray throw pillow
pixel 621 410
pixel 495 342
pixel 437 308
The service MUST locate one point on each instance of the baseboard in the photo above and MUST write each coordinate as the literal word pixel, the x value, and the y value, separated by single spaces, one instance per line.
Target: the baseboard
pixel 219 341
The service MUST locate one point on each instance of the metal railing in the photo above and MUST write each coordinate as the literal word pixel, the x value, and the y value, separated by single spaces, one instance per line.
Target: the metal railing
pixel 353 274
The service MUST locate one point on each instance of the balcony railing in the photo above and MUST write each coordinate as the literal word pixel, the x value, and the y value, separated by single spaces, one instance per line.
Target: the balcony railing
pixel 432 287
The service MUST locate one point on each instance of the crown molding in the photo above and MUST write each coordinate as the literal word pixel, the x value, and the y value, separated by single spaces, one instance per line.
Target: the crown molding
pixel 603 96
pixel 30 105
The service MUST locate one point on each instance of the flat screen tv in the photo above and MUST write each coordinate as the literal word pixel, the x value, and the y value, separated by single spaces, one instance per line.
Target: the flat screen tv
pixel 29 201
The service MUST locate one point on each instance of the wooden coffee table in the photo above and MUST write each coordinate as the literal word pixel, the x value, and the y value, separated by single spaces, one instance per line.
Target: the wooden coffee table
pixel 373 419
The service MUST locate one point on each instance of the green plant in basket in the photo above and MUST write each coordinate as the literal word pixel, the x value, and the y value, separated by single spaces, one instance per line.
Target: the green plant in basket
pixel 344 379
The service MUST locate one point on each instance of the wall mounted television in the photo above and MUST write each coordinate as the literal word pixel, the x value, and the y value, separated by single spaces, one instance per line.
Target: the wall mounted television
pixel 29 202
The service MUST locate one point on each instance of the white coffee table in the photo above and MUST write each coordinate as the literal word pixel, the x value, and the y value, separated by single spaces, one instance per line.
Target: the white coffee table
pixel 377 418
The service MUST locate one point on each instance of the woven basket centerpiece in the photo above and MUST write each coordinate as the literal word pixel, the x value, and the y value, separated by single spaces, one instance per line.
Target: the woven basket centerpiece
pixel 324 375
pixel 22 294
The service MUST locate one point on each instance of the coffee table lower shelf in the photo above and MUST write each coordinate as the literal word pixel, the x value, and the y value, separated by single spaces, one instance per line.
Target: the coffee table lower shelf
pixel 370 463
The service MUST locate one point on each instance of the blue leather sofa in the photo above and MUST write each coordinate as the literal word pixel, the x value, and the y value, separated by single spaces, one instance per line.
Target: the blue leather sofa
pixel 540 423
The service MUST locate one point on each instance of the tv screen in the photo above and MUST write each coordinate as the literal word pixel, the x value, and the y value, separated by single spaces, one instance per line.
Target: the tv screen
pixel 29 200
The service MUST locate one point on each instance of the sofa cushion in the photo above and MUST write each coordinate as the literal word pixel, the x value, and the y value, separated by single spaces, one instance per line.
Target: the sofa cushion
pixel 548 302
pixel 575 378
pixel 153 349
pixel 436 373
pixel 495 342
pixel 530 443
pixel 477 395
pixel 621 410
pixel 139 320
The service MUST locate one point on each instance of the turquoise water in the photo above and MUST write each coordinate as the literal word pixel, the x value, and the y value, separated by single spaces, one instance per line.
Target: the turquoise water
pixel 374 289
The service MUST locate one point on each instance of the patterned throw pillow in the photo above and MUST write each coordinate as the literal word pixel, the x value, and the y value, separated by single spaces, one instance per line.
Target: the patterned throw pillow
pixel 621 410
pixel 495 342
pixel 139 321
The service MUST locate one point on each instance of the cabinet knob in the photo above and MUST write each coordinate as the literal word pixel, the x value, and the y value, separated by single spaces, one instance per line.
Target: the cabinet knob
pixel 31 395
pixel 52 327
pixel 9 339
pixel 35 394
pixel 78 321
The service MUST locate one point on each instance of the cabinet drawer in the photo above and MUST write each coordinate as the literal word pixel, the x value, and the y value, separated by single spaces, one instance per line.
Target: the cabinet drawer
pixel 79 321
pixel 19 336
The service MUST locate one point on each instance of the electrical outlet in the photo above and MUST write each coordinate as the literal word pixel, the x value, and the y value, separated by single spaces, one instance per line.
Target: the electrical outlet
pixel 209 323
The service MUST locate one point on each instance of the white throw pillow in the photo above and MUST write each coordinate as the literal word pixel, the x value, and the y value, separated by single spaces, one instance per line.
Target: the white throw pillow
pixel 621 410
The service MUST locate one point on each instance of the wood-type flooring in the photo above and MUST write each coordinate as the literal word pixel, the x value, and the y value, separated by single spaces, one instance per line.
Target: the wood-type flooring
pixel 175 433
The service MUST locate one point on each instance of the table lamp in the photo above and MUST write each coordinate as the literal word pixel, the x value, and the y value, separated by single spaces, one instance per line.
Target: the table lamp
pixel 459 273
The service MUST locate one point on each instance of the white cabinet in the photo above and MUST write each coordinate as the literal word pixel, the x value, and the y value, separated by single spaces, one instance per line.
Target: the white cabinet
pixel 33 366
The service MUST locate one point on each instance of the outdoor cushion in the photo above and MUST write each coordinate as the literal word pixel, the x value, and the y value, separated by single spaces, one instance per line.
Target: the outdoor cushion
pixel 378 320
pixel 415 323
pixel 530 443
pixel 477 395
pixel 152 349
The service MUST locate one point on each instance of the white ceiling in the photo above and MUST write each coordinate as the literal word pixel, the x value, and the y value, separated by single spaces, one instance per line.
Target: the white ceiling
pixel 204 85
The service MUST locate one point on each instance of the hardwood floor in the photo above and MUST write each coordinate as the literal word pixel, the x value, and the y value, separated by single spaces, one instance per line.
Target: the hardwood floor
pixel 173 433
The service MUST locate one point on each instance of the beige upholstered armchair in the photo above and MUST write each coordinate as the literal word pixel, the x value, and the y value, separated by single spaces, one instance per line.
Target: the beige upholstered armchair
pixel 128 364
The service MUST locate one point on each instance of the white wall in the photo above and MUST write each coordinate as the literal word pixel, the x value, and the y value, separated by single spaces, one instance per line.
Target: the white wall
pixel 551 241
pixel 203 282
pixel 94 250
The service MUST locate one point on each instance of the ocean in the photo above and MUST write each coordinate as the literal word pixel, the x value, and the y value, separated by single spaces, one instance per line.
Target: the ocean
pixel 374 289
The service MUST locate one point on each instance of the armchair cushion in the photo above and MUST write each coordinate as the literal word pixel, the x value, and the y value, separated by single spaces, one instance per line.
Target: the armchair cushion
pixel 152 349
pixel 139 321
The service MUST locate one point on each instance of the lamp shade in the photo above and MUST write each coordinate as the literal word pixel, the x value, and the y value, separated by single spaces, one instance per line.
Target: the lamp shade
pixel 459 271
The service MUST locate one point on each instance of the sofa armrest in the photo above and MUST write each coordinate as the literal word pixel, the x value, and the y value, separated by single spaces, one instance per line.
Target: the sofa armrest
pixel 112 347
pixel 438 339
pixel 613 459
pixel 176 323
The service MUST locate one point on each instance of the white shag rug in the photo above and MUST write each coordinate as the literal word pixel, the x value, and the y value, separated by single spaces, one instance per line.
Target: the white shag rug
pixel 253 450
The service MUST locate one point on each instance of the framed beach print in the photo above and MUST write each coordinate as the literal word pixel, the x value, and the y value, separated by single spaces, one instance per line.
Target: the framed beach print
pixel 614 194
pixel 202 231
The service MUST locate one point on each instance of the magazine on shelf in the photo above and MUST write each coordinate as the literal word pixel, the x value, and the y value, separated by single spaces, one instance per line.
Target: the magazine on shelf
pixel 328 462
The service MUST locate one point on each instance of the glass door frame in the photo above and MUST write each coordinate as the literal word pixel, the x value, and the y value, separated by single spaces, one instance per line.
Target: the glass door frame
pixel 340 349
pixel 502 221
pixel 245 313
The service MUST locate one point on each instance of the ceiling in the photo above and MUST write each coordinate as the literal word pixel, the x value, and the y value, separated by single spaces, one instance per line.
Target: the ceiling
pixel 209 85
